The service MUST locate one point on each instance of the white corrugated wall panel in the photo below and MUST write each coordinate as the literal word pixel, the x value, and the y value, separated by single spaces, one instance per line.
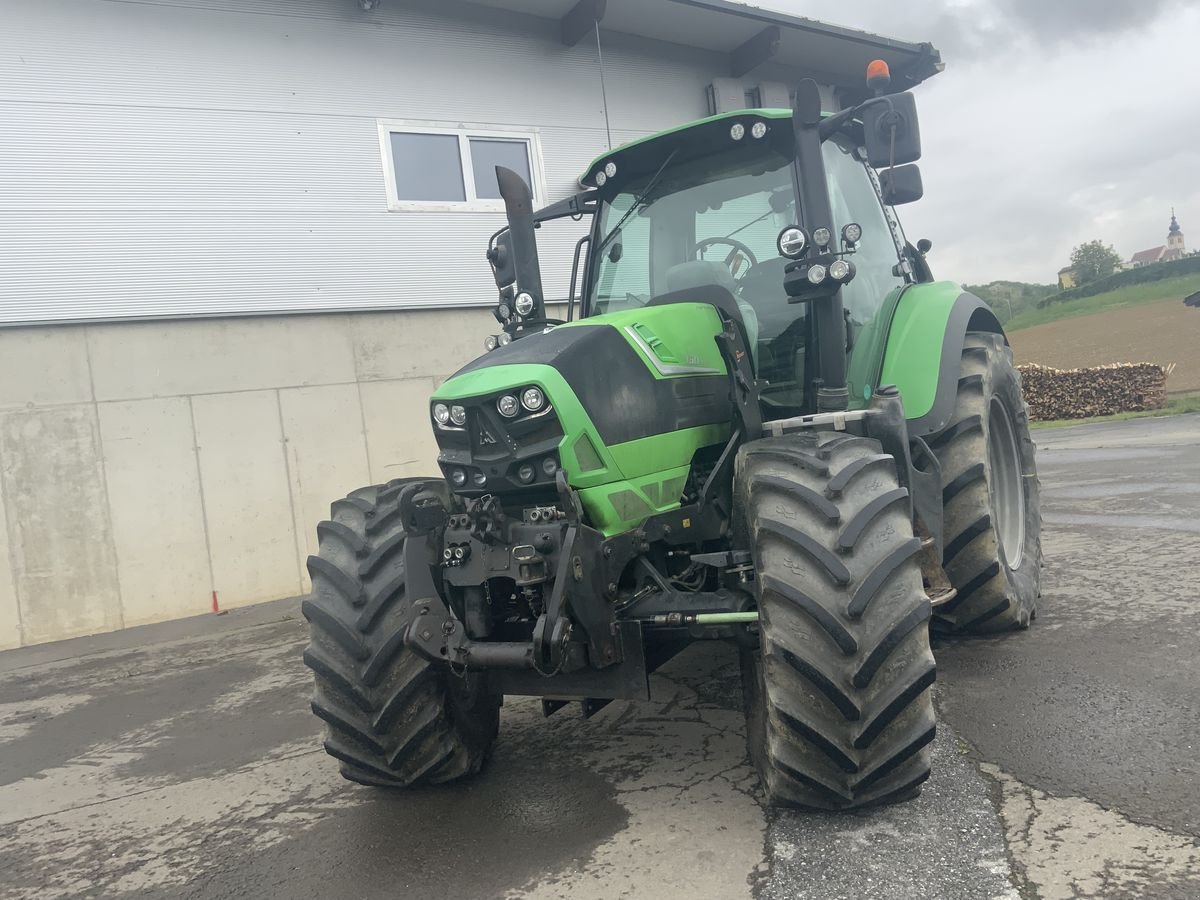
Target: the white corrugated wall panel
pixel 220 157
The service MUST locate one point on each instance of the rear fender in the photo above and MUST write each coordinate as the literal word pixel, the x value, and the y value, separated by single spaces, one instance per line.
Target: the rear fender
pixel 923 353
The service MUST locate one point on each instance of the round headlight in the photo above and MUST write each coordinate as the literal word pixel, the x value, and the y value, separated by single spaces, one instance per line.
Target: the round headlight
pixel 525 473
pixel 524 303
pixel 601 178
pixel 458 415
pixel 550 465
pixel 441 413
pixel 816 274
pixel 508 406
pixel 503 311
pixel 839 270
pixel 458 476
pixel 533 399
pixel 852 233
pixel 504 339
pixel 737 131
pixel 759 129
pixel 792 242
pixel 490 343
pixel 610 169
pixel 479 479
pixel 822 237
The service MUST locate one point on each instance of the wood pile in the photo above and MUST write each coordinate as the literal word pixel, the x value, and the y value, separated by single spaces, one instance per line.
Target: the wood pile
pixel 1098 391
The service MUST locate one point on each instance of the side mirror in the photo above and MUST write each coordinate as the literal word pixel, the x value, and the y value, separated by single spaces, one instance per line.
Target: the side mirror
pixel 890 130
pixel 500 256
pixel 901 185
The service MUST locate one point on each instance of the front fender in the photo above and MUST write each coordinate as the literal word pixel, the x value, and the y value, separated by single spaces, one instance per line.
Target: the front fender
pixel 923 353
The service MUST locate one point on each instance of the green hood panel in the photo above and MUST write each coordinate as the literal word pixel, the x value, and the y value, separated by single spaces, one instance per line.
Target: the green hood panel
pixel 636 392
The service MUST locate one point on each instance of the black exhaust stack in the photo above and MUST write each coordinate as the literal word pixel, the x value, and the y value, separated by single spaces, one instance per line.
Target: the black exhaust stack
pixel 518 206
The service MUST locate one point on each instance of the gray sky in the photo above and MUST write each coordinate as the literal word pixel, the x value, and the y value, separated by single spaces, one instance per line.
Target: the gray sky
pixel 1055 122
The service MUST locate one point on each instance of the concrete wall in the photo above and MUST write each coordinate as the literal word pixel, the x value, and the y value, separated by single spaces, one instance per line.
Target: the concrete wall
pixel 145 465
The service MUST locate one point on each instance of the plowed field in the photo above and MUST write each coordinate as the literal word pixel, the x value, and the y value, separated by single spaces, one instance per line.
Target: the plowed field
pixel 1163 333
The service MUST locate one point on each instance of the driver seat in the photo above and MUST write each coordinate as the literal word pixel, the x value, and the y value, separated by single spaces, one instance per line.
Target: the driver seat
pixel 706 273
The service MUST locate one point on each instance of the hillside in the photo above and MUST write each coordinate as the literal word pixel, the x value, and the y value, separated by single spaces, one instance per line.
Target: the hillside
pixel 1132 295
pixel 1011 298
pixel 1163 332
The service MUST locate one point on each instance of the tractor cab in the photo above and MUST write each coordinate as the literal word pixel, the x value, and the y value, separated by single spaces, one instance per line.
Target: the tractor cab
pixel 778 211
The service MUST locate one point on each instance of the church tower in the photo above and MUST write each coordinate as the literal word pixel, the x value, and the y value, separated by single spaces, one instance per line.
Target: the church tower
pixel 1175 236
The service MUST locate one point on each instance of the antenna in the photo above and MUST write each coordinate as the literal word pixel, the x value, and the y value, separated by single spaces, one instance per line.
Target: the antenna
pixel 603 91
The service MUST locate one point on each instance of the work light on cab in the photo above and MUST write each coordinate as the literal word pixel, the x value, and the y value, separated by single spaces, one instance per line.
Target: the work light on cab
pixel 792 242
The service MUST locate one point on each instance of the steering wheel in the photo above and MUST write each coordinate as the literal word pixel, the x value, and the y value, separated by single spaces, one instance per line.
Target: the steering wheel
pixel 738 247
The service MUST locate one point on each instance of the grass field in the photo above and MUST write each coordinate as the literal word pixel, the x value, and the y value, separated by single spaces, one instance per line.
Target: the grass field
pixel 1135 295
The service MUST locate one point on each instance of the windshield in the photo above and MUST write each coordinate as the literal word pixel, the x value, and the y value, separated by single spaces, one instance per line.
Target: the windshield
pixel 709 221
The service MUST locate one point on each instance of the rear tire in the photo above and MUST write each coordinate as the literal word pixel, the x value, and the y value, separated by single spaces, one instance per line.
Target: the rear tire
pixel 391 718
pixel 838 706
pixel 990 496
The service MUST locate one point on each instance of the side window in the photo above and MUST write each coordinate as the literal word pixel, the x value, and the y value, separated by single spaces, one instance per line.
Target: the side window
pixel 853 198
pixel 623 274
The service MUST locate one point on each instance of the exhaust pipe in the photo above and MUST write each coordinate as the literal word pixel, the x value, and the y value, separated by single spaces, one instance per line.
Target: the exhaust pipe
pixel 518 206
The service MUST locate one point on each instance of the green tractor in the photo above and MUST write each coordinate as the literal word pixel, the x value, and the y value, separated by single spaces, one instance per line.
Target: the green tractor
pixel 762 422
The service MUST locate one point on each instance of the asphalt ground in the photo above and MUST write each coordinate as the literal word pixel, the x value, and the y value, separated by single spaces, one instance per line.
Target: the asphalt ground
pixel 180 760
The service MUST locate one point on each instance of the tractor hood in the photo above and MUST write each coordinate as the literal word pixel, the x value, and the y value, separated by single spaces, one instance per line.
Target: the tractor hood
pixel 611 385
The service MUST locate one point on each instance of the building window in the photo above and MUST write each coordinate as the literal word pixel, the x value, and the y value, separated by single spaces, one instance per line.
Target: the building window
pixel 437 168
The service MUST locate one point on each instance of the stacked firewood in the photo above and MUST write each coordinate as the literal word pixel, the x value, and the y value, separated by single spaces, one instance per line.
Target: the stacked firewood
pixel 1098 391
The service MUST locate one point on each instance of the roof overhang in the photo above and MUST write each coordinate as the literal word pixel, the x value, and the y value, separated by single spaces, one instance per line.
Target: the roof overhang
pixel 748 35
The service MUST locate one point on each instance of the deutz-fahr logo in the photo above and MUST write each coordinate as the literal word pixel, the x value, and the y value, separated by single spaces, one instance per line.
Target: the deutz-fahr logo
pixel 485 436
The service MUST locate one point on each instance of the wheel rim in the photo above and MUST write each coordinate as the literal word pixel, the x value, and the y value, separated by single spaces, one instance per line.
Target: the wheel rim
pixel 1008 494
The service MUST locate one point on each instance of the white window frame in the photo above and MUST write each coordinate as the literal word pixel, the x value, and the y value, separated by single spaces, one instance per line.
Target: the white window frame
pixel 464 131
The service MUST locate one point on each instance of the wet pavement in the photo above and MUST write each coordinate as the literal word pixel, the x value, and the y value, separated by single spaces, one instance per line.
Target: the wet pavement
pixel 180 760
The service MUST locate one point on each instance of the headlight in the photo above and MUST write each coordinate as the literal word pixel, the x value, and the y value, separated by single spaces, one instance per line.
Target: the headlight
pixel 441 413
pixel 508 406
pixel 533 399
pixel 524 304
pixel 852 233
pixel 737 131
pixel 759 129
pixel 839 270
pixel 601 178
pixel 525 473
pixel 792 242
pixel 504 339
pixel 458 415
pixel 822 237
pixel 550 466
pixel 816 274
pixel 458 476
pixel 479 479
pixel 490 343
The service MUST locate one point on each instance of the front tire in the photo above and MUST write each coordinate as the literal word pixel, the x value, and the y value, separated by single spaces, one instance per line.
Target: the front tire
pixel 391 718
pixel 990 496
pixel 839 713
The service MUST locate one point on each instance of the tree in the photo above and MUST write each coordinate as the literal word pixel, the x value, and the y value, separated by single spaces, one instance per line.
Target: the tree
pixel 1093 261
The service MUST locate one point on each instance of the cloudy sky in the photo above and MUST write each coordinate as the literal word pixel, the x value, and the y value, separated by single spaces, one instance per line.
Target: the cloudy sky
pixel 1055 122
